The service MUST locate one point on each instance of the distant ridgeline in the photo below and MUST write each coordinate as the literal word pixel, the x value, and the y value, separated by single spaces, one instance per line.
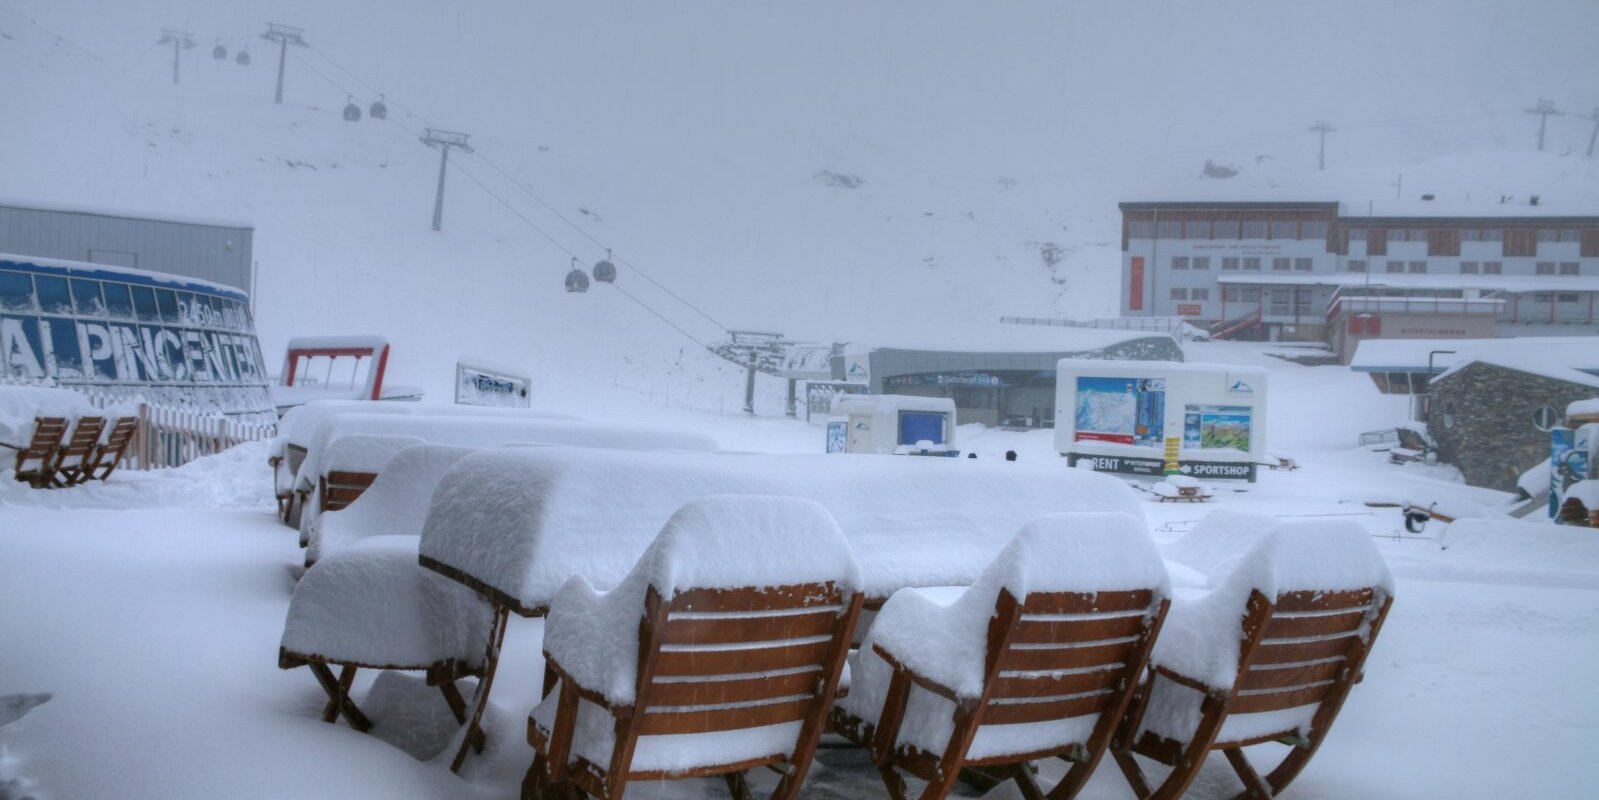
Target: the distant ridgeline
pixel 176 341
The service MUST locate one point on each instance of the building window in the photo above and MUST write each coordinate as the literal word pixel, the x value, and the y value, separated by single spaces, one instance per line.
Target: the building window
pixel 1285 230
pixel 1418 267
pixel 1229 294
pixel 1251 295
pixel 1313 230
pixel 1520 242
pixel 1179 262
pixel 1546 268
pixel 1196 229
pixel 1281 301
pixel 1418 234
pixel 1254 229
pixel 1493 267
pixel 1281 264
pixel 1169 230
pixel 1395 266
pixel 1201 293
pixel 1179 293
pixel 1357 234
pixel 1569 268
pixel 1141 229
pixel 1543 297
pixel 1302 265
pixel 1224 229
pixel 1357 265
pixel 1570 235
pixel 1229 263
pixel 1470 268
pixel 1548 235
pixel 1252 263
pixel 1493 234
pixel 1566 297
pixel 1201 262
pixel 1470 235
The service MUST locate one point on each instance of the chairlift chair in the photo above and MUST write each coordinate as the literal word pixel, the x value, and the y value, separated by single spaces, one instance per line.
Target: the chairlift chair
pixel 352 112
pixel 243 58
pixel 378 110
pixel 604 270
pixel 577 280
pixel 219 52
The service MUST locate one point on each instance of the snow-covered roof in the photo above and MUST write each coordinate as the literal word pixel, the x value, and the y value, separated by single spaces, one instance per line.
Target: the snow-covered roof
pixel 1007 338
pixel 141 216
pixel 1584 408
pixel 1540 367
pixel 113 272
pixel 1151 367
pixel 1410 355
pixel 1519 284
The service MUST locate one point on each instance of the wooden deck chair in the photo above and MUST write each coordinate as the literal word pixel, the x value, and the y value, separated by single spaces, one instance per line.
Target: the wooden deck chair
pixel 336 490
pixel 107 456
pixel 751 671
pixel 372 606
pixel 34 462
pixel 288 498
pixel 1058 670
pixel 1299 650
pixel 72 458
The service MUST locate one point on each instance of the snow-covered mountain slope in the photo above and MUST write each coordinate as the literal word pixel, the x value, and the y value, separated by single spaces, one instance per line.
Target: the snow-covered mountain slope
pixel 832 171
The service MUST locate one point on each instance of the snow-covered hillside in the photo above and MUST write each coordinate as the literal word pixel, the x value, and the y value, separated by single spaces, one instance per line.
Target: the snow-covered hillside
pixel 832 171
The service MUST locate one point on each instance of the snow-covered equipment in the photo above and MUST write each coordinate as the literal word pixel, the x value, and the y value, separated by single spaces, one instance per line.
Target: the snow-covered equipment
pixel 1038 659
pixel 378 109
pixel 720 651
pixel 891 423
pixel 480 382
pixel 336 368
pixel 1180 489
pixel 1268 656
pixel 242 58
pixel 604 270
pixel 396 502
pixel 371 606
pixel 1134 416
pixel 577 280
pixel 219 52
pixel 352 112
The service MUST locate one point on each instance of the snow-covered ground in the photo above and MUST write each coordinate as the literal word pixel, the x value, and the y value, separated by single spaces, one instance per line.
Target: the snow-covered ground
pixel 139 622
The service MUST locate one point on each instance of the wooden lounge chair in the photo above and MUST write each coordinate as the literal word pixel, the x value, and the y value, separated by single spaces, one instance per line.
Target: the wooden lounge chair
pixel 108 455
pixel 1299 652
pixel 35 462
pixel 1056 670
pixel 337 490
pixel 71 460
pixel 752 671
pixel 372 606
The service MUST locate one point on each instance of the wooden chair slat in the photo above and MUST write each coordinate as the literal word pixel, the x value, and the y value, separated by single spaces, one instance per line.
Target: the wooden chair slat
pixel 726 662
pixel 1287 677
pixel 1276 701
pixel 677 722
pixel 1050 685
pixel 1323 601
pixel 1087 602
pixel 1018 713
pixel 351 479
pixel 806 595
pixel 738 690
pixel 735 630
pixel 1115 651
pixel 1058 631
pixel 1292 627
pixel 1276 651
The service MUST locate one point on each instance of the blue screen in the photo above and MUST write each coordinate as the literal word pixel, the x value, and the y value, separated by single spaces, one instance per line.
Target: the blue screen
pixel 915 426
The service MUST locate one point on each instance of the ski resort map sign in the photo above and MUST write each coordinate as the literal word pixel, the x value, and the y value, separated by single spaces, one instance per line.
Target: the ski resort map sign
pixel 1121 410
pixel 130 331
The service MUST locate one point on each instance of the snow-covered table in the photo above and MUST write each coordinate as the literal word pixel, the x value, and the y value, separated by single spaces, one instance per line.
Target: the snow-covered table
pixel 515 524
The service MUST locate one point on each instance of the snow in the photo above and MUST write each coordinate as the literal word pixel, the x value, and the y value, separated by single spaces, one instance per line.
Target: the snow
pixel 20 405
pixel 523 520
pixel 1544 365
pixel 395 504
pixel 178 281
pixel 944 637
pixel 1530 553
pixel 371 604
pixel 976 338
pixel 364 452
pixel 124 213
pixel 1411 355
pixel 725 542
pixel 1535 481
pixel 1586 492
pixel 1583 408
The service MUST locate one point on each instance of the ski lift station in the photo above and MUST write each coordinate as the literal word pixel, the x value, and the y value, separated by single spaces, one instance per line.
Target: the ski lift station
pixel 1150 418
pixel 892 424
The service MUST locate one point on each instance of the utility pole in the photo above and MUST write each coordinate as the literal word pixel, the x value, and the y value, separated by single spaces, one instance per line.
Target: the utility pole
pixel 749 386
pixel 444 140
pixel 284 35
pixel 1322 128
pixel 1544 110
pixel 180 41
pixel 1592 137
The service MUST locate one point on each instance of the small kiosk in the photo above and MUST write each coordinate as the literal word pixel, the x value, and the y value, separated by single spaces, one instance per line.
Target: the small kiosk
pixel 1161 417
pixel 892 424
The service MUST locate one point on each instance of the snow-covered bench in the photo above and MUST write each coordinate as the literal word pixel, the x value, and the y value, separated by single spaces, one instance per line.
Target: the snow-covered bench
pixel 1037 659
pixel 1180 488
pixel 1269 656
pixel 718 653
pixel 395 504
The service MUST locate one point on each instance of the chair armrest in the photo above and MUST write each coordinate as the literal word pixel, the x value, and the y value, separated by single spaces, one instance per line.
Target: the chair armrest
pixel 920 680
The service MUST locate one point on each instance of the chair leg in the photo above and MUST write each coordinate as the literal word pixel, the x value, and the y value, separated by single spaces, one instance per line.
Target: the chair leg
pixel 475 736
pixel 737 787
pixel 1130 770
pixel 1254 787
pixel 338 691
pixel 1076 777
pixel 892 781
pixel 452 695
pixel 1027 782
pixel 1212 714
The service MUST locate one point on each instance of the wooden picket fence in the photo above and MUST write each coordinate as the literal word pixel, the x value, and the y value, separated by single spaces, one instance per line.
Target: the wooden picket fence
pixel 171 437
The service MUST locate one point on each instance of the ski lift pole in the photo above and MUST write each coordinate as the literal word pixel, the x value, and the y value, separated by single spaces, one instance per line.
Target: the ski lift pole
pixel 749 385
pixel 444 140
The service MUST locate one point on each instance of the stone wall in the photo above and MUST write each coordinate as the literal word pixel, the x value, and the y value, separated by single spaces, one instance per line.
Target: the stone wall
pixel 1481 418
